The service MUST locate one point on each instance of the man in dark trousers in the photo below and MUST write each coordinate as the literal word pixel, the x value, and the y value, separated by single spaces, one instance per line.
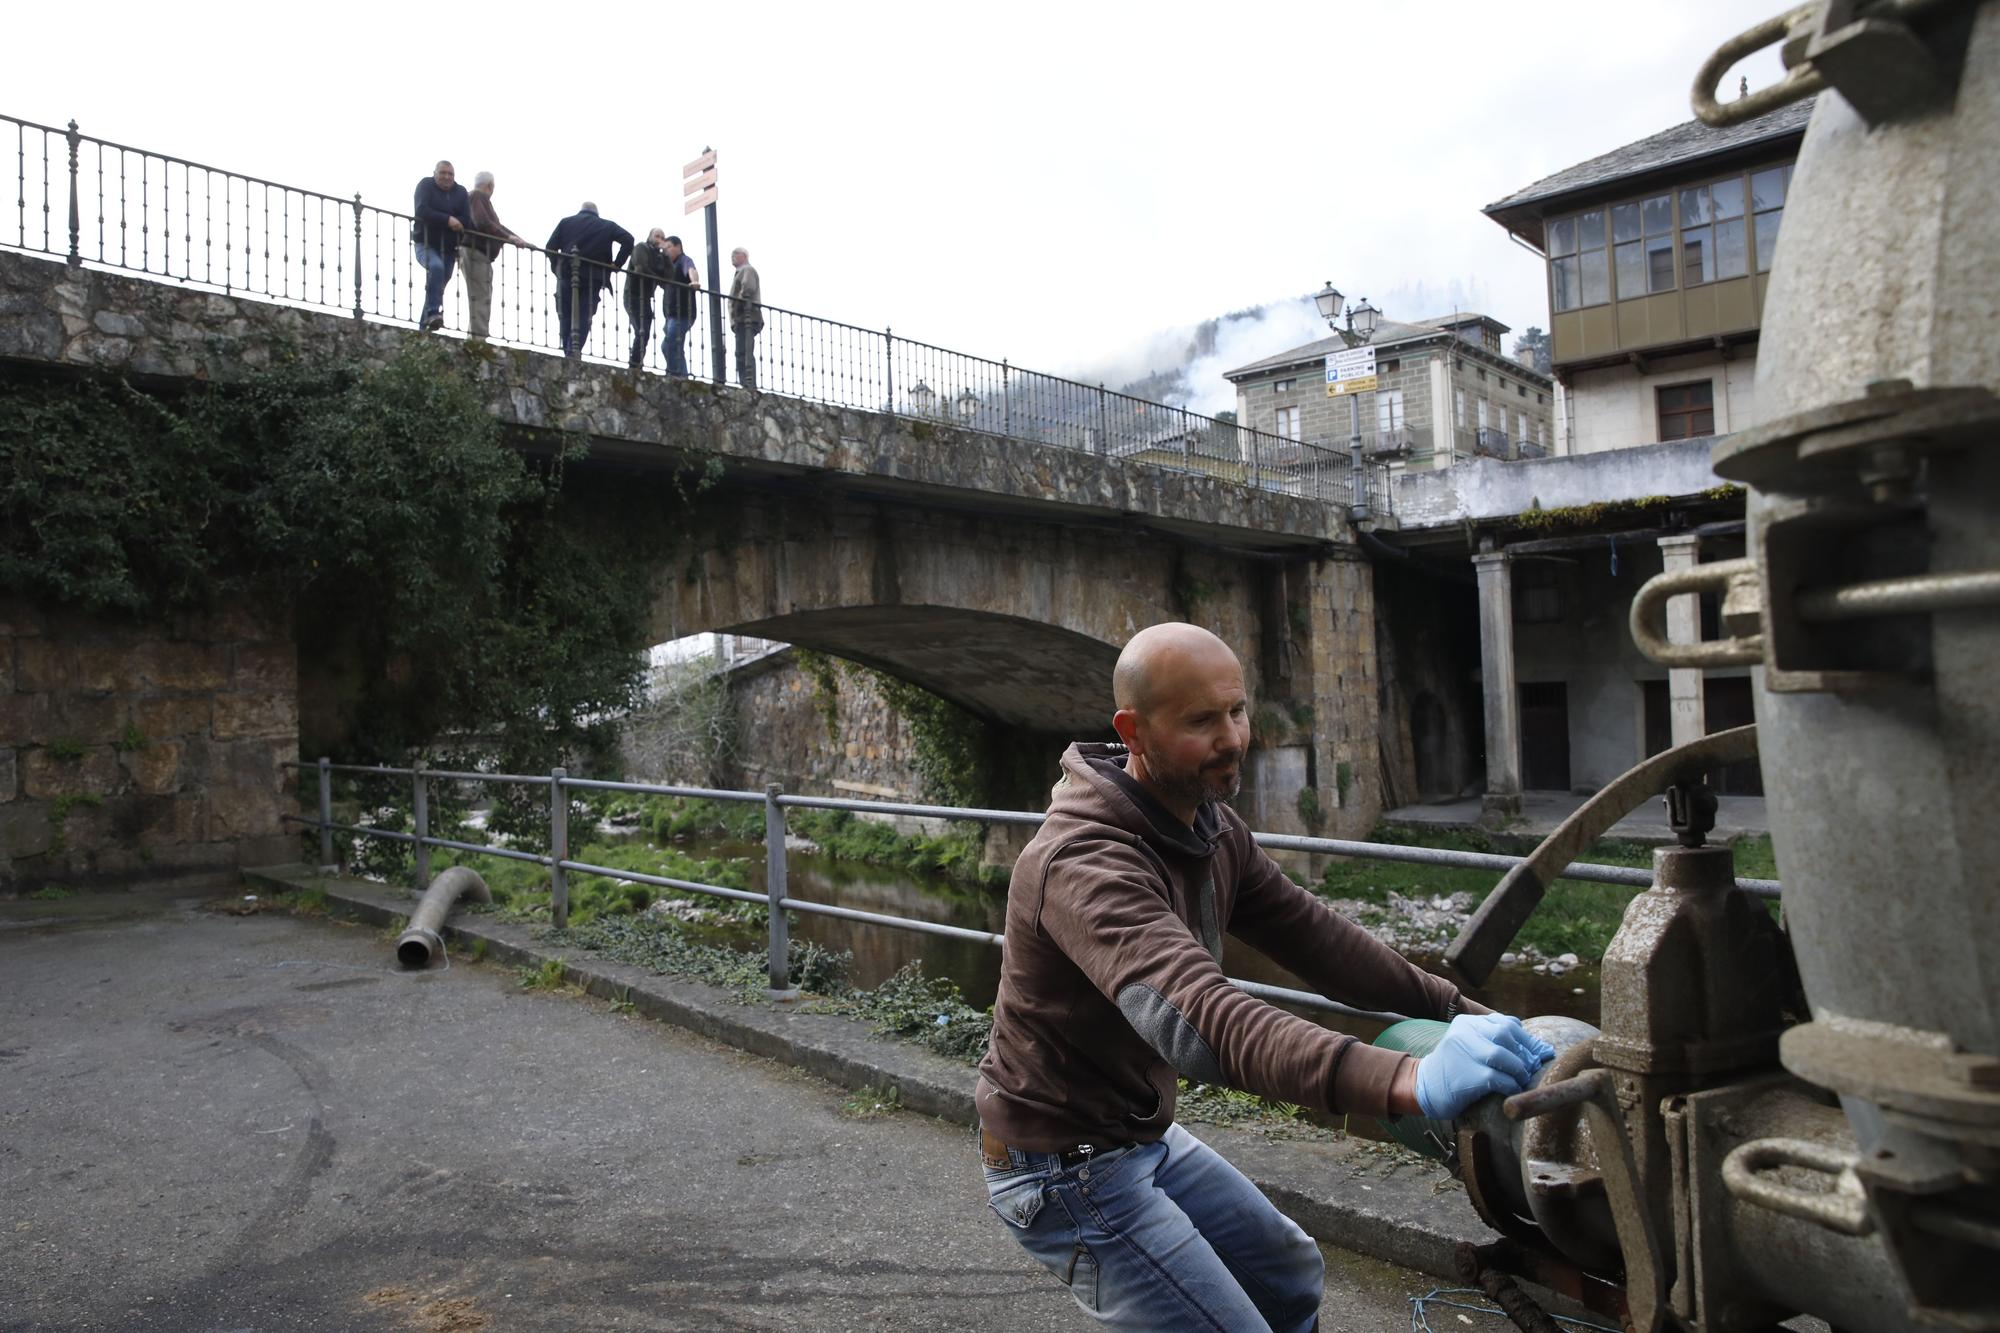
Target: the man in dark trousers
pixel 746 315
pixel 1112 986
pixel 642 279
pixel 581 253
pixel 683 281
pixel 443 209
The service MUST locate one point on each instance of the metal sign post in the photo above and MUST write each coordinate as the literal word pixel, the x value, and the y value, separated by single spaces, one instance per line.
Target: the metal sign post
pixel 698 188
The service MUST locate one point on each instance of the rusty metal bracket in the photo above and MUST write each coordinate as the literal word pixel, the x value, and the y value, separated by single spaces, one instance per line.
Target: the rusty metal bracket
pixel 1493 925
pixel 1842 1208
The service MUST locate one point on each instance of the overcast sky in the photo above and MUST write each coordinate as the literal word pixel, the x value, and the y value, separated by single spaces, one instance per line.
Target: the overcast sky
pixel 1058 184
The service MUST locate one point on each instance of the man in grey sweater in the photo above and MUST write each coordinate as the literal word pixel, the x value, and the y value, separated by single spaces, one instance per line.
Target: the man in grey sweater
pixel 1111 987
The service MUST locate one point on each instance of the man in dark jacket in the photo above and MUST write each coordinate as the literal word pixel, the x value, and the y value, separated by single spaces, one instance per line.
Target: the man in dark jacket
pixel 643 278
pixel 581 253
pixel 683 281
pixel 443 210
pixel 1111 986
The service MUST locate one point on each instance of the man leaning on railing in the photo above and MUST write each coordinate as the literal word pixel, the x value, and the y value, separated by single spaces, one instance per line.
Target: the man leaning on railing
pixel 580 252
pixel 443 211
pixel 479 251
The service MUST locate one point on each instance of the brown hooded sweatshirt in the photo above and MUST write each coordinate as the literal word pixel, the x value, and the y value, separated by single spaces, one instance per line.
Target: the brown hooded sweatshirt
pixel 1112 982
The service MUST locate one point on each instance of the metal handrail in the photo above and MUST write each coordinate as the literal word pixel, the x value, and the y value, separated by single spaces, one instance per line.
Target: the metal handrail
pixel 778 901
pixel 324 252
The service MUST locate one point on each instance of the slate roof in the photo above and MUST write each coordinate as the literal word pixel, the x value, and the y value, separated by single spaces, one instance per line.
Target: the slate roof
pixel 1388 333
pixel 1681 145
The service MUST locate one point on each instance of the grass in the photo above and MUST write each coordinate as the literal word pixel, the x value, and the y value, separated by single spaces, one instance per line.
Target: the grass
pixel 309 902
pixel 867 1103
pixel 52 893
pixel 546 977
pixel 840 834
pixel 1575 916
pixel 521 888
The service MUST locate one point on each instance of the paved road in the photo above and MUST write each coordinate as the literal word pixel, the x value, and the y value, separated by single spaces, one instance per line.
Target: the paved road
pixel 222 1124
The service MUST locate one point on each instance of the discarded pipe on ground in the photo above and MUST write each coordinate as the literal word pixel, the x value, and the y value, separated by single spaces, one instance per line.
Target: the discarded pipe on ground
pixel 421 942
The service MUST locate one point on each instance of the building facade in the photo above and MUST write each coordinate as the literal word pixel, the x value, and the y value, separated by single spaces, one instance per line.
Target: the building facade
pixel 1445 392
pixel 1657 257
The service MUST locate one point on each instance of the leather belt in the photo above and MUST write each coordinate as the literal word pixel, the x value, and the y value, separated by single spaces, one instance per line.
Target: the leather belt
pixel 996 1154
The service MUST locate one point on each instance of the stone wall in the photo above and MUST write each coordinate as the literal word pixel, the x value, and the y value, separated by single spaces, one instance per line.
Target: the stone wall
pixel 782 736
pixel 1487 488
pixel 135 754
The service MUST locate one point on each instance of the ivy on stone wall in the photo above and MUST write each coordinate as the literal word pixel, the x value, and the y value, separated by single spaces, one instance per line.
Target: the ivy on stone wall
pixel 950 746
pixel 442 583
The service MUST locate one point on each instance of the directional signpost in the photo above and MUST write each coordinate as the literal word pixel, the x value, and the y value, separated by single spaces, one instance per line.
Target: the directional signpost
pixel 698 189
pixel 1350 371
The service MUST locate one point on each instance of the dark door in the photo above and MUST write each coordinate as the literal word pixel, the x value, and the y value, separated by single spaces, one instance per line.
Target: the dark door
pixel 1659 716
pixel 1725 703
pixel 1430 737
pixel 1545 736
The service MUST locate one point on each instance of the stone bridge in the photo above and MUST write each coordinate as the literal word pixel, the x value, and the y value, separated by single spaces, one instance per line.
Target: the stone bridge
pixel 1000 574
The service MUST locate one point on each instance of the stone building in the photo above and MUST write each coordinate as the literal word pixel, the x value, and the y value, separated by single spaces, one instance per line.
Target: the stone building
pixel 1657 256
pixel 1445 392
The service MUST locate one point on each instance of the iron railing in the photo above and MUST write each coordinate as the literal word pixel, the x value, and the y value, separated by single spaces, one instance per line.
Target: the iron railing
pixel 777 901
pixel 109 205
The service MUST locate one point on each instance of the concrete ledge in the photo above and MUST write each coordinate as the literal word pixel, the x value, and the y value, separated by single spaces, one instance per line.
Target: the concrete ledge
pixel 1350 1193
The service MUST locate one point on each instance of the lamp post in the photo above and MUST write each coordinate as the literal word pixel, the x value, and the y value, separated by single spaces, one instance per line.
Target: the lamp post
pixel 921 399
pixel 968 405
pixel 1360 327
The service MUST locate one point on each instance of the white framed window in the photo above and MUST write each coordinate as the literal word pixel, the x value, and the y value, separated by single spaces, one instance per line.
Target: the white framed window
pixel 1520 425
pixel 1482 413
pixel 1458 417
pixel 1282 386
pixel 1288 423
pixel 1388 411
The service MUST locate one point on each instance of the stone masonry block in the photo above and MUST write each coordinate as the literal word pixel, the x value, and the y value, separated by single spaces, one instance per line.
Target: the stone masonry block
pixel 161 719
pixel 245 716
pixel 154 767
pixel 19 618
pixel 25 829
pixel 271 667
pixel 44 776
pixel 24 718
pixel 9 774
pixel 41 664
pixel 241 812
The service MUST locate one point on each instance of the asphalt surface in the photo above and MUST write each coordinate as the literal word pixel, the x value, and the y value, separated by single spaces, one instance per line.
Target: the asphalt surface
pixel 222 1124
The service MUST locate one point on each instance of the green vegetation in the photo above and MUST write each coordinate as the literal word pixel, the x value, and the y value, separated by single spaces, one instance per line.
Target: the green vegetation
pixel 1218 1105
pixel 866 1103
pixel 454 586
pixel 548 976
pixel 1536 518
pixel 59 813
pixel 1310 813
pixel 52 893
pixel 65 749
pixel 309 902
pixel 1574 917
pixel 521 888
pixel 130 739
pixel 840 835
pixel 824 673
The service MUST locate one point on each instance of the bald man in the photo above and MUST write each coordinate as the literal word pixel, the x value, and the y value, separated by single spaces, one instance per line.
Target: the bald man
pixel 1111 987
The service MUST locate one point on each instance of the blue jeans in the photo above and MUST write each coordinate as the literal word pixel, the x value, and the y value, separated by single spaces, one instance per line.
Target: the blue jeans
pixel 674 345
pixel 1162 1235
pixel 437 266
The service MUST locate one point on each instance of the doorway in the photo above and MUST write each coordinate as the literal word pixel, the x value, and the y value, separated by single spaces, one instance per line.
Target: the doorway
pixel 1545 736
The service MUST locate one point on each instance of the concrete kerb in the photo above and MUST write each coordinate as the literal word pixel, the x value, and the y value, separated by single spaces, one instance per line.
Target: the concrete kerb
pixel 1348 1193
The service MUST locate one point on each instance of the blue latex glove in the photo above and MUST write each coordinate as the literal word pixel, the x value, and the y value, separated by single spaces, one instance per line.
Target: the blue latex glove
pixel 1480 1054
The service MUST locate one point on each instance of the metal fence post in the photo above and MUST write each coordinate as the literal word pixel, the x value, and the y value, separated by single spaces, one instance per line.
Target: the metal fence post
pixel 889 374
pixel 1007 400
pixel 325 813
pixel 774 886
pixel 575 306
pixel 1103 424
pixel 75 213
pixel 357 254
pixel 421 817
pixel 558 848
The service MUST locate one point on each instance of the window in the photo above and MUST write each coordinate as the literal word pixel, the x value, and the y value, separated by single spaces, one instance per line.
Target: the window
pixel 1282 386
pixel 1388 367
pixel 1520 426
pixel 1579 265
pixel 1538 593
pixel 1767 199
pixel 1482 374
pixel 1482 414
pixel 1713 242
pixel 1643 242
pixel 1687 411
pixel 1388 411
pixel 1458 415
pixel 1521 389
pixel 1288 423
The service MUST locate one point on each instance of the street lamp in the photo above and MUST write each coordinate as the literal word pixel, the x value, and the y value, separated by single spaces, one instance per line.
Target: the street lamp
pixel 1361 319
pixel 921 398
pixel 968 404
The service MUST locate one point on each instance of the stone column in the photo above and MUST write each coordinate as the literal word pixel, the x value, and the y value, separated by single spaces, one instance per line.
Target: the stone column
pixel 1496 671
pixel 1684 626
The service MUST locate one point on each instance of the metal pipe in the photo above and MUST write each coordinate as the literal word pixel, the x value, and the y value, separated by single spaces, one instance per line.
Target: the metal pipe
pixel 1917 594
pixel 917 811
pixel 421 942
pixel 780 953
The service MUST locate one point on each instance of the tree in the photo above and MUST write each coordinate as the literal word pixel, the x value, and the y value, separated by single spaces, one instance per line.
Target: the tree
pixel 1533 348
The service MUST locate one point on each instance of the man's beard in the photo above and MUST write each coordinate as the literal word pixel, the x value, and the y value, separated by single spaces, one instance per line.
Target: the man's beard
pixel 1204 783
